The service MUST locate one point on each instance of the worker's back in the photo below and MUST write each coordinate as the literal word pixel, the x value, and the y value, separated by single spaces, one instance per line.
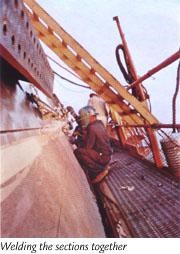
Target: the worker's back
pixel 97 138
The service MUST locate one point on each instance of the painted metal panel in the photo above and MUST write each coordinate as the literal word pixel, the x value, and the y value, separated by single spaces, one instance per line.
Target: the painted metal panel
pixel 21 48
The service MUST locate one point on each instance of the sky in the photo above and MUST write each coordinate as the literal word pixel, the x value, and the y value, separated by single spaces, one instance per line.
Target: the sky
pixel 152 30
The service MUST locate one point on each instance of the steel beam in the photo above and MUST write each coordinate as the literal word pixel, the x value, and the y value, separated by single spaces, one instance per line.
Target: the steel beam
pixel 154 70
pixel 72 46
pixel 20 47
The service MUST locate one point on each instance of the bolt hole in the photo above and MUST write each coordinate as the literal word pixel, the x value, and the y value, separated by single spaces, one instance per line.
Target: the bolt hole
pixel 19 48
pixel 27 24
pixel 13 40
pixel 16 3
pixel 24 55
pixel 22 14
pixel 4 29
pixel 31 33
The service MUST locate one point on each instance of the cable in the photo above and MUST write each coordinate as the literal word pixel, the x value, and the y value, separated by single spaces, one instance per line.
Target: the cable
pixel 69 89
pixel 147 96
pixel 64 68
pixel 175 97
pixel 19 130
pixel 70 81
pixel 20 86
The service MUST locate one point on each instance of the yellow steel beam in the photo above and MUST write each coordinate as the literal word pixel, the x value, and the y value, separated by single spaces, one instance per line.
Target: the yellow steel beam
pixel 94 82
pixel 85 65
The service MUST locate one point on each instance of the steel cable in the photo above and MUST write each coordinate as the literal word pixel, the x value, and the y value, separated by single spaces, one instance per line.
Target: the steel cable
pixel 175 97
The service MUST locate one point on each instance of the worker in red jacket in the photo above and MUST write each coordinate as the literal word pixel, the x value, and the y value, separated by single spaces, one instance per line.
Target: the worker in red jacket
pixel 96 153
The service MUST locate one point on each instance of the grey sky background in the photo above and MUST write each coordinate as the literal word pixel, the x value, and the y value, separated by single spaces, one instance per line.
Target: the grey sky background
pixel 152 30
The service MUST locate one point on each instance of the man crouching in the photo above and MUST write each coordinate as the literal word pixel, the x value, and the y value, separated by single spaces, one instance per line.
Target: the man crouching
pixel 96 153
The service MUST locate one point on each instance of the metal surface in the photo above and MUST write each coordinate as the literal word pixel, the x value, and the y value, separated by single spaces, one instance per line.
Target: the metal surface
pixel 147 199
pixel 46 193
pixel 20 46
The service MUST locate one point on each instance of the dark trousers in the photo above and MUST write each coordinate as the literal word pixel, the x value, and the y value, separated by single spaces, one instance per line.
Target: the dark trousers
pixel 91 160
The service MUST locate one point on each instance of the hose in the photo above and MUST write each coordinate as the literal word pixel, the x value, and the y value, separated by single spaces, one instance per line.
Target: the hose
pixel 127 73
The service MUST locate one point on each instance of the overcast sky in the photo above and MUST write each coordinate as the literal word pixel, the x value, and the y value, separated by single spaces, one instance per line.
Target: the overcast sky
pixel 152 30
